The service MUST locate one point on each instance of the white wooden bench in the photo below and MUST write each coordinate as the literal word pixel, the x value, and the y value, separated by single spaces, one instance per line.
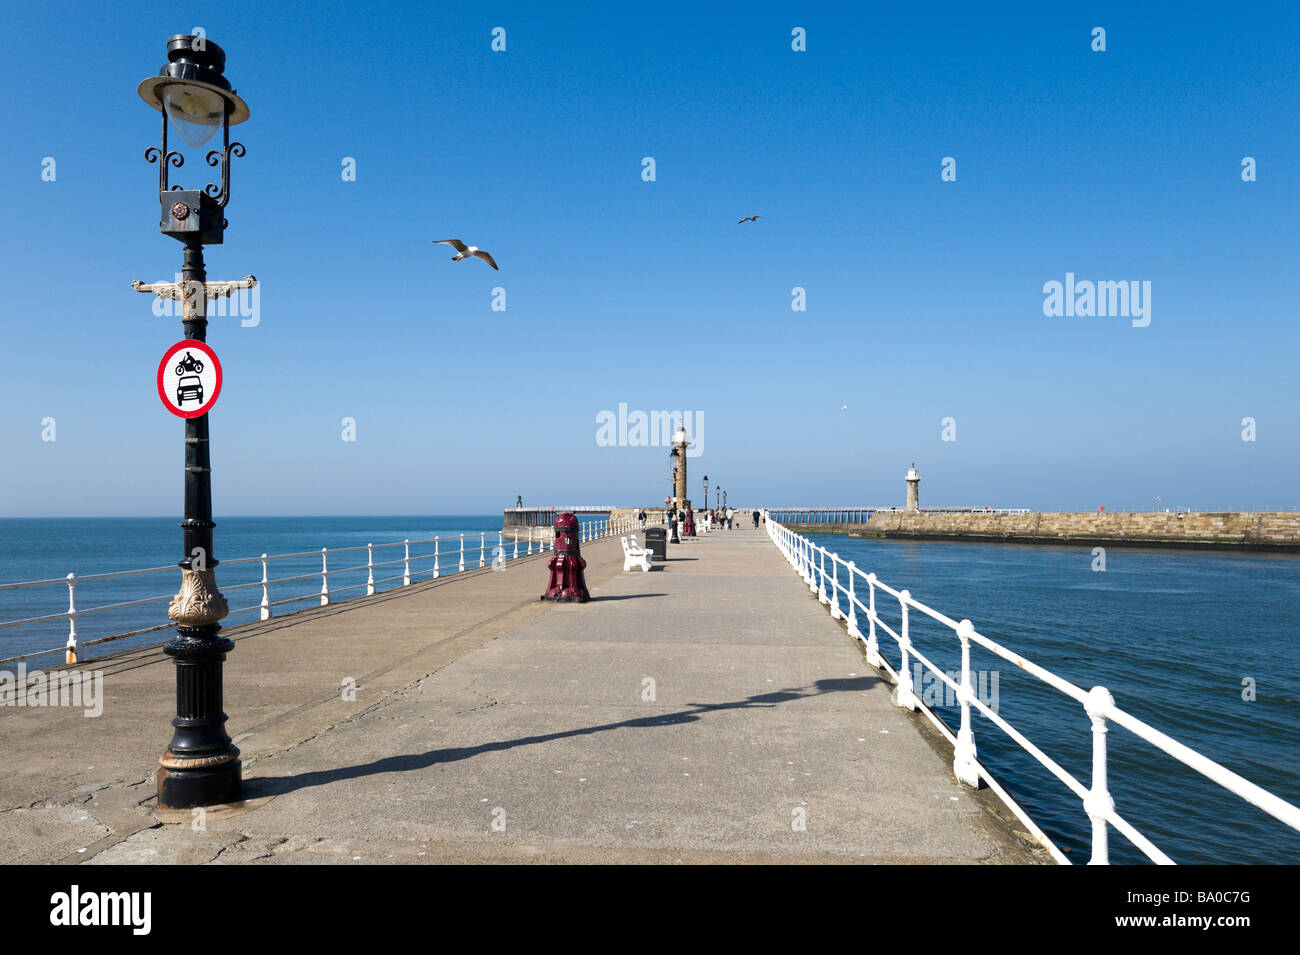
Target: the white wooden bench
pixel 634 556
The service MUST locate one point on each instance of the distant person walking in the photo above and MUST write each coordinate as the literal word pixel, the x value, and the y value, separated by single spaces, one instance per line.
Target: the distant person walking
pixel 731 518
pixel 754 514
pixel 641 517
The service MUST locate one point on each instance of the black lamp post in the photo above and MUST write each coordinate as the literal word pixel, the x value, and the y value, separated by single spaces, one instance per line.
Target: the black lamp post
pixel 706 492
pixel 201 766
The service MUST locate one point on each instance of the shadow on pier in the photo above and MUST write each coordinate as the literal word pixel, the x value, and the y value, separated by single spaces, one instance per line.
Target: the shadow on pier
pixel 276 786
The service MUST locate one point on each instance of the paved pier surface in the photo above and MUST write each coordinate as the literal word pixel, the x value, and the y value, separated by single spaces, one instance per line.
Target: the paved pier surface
pixel 698 713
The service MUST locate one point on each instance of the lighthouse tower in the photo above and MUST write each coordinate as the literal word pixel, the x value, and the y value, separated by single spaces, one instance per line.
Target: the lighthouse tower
pixel 913 488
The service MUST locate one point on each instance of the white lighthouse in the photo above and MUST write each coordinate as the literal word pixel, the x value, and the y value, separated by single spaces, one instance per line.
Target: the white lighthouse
pixel 913 488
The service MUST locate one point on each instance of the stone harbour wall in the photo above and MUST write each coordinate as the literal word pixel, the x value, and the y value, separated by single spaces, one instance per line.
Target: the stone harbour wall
pixel 1229 530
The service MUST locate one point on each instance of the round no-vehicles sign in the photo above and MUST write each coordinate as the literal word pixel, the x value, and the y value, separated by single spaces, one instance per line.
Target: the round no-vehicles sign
pixel 189 379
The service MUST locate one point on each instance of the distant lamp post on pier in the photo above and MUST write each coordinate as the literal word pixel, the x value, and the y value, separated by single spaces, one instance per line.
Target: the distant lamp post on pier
pixel 706 492
pixel 201 765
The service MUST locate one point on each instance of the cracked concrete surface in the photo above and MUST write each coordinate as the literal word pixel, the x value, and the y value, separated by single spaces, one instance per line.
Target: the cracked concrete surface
pixel 490 726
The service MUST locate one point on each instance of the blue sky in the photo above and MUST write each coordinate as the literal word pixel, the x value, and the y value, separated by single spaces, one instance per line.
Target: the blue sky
pixel 924 297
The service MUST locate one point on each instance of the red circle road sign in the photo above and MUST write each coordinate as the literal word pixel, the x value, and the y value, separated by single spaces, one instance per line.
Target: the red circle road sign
pixel 189 378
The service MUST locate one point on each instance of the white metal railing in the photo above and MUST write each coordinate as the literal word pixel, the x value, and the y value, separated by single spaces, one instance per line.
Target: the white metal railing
pixel 539 540
pixel 809 560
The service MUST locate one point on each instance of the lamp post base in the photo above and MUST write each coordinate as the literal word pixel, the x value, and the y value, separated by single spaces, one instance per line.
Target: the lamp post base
pixel 199 783
pixel 201 766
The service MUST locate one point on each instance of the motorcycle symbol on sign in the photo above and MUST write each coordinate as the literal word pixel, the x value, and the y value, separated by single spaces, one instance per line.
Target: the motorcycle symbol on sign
pixel 189 364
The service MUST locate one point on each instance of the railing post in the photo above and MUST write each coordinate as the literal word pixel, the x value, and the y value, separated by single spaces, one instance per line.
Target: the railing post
pixel 482 547
pixel 436 570
pixel 370 569
pixel 873 648
pixel 324 577
pixel 903 695
pixel 812 567
pixel 462 553
pixel 964 766
pixel 266 596
pixel 854 632
pixel 530 539
pixel 1098 804
pixel 516 554
pixel 70 655
pixel 835 587
pixel 406 563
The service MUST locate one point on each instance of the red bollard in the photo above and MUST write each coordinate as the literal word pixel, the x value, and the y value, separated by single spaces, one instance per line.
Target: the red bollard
pixel 567 580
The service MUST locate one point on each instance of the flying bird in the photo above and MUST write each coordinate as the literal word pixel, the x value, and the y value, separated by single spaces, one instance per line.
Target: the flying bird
pixel 464 251
pixel 749 219
pixel 844 407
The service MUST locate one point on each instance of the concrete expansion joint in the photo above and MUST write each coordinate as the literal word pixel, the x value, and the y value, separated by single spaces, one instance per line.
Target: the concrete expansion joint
pixel 240 837
pixel 73 798
pixel 491 700
pixel 271 850
pixel 481 706
pixel 258 757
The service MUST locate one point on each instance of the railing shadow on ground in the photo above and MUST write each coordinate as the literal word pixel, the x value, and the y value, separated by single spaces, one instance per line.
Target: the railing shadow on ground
pixel 258 787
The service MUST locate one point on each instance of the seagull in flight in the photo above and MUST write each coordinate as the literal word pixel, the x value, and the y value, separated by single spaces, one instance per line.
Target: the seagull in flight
pixel 749 219
pixel 464 251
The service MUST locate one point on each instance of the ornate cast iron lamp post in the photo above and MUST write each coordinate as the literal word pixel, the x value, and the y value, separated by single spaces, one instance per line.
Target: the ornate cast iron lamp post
pixel 706 493
pixel 201 766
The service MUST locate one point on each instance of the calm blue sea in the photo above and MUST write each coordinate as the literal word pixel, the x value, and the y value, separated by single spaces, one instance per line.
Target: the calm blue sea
pixel 1174 635
pixel 43 549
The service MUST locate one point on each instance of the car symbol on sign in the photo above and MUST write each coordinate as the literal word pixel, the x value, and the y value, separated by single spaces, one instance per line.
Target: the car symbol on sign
pixel 189 387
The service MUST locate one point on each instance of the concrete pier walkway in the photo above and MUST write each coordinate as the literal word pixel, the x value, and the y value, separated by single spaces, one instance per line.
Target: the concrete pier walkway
pixel 708 711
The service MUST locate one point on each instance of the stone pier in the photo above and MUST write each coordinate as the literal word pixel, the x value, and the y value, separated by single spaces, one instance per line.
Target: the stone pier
pixel 708 711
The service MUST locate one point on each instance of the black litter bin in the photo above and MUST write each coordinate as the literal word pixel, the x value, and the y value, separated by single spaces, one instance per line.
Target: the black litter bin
pixel 656 541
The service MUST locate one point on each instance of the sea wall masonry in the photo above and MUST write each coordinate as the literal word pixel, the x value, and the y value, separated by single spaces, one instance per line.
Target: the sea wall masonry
pixel 1268 531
